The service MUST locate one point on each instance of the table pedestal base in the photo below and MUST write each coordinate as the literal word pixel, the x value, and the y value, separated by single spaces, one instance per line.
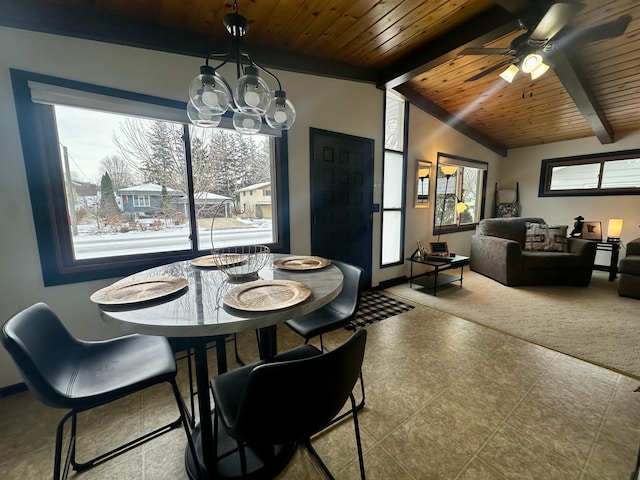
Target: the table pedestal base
pixel 262 462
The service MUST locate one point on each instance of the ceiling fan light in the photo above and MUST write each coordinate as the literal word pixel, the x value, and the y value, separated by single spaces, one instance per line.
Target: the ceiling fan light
pixel 531 62
pixel 510 73
pixel 538 72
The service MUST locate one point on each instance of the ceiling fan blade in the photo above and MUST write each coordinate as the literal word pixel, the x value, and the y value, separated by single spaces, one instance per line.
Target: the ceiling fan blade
pixel 488 70
pixel 603 31
pixel 513 6
pixel 557 17
pixel 486 51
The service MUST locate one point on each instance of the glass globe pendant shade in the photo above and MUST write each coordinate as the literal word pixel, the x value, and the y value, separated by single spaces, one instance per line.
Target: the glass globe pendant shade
pixel 247 123
pixel 280 114
pixel 208 91
pixel 251 94
pixel 204 117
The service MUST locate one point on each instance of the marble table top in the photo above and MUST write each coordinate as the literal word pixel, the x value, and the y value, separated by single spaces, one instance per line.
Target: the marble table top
pixel 199 311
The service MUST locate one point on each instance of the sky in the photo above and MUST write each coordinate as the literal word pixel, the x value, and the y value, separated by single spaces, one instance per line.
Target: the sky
pixel 86 151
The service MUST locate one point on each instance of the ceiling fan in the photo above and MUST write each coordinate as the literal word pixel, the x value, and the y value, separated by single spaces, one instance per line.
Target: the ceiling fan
pixel 545 34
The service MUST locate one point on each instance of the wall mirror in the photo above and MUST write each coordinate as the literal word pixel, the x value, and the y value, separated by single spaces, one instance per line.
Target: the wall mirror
pixel 423 172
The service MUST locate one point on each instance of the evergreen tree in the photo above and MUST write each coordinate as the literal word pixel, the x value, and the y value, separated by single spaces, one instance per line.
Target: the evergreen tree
pixel 108 206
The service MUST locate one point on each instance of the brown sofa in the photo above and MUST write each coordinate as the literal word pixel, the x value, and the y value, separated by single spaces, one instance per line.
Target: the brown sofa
pixel 629 269
pixel 498 252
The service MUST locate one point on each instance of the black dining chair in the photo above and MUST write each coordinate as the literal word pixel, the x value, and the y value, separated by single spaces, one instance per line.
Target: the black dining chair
pixel 288 399
pixel 338 313
pixel 64 372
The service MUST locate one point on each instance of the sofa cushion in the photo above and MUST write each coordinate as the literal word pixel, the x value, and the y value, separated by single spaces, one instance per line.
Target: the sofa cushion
pixel 550 260
pixel 546 238
pixel 509 228
pixel 630 264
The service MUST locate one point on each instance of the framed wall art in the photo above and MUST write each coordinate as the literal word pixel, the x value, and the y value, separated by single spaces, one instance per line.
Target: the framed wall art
pixel 592 231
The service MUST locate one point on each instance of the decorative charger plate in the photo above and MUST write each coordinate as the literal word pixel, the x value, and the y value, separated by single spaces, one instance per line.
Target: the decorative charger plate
pixel 301 263
pixel 221 259
pixel 141 290
pixel 266 295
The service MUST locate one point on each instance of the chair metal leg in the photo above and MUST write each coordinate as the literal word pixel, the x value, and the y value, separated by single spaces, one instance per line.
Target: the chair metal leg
pixel 81 466
pixel 360 405
pixel 57 462
pixel 319 461
pixel 356 426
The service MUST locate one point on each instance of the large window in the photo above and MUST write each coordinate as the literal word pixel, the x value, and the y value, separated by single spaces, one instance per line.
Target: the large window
pixel 120 182
pixel 614 173
pixel 460 193
pixel 393 179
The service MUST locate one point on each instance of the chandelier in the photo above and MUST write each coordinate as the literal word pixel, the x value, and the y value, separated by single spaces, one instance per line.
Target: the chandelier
pixel 250 100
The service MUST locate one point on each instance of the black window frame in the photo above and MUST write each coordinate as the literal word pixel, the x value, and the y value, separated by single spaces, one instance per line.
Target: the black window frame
pixel 403 207
pixel 460 162
pixel 37 127
pixel 547 165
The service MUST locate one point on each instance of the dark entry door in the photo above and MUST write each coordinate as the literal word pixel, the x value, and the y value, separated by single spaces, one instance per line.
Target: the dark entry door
pixel 341 198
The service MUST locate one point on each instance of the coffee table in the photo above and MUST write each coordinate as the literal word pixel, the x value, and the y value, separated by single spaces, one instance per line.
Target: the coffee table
pixel 434 279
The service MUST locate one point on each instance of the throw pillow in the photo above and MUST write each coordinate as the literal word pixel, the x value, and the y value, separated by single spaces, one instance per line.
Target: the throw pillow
pixel 557 238
pixel 541 237
pixel 535 238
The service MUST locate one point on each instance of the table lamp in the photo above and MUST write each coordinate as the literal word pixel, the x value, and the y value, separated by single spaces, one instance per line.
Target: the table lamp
pixel 614 230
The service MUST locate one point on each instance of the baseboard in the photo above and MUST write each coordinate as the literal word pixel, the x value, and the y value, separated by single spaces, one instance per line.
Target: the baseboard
pixel 13 389
pixel 392 282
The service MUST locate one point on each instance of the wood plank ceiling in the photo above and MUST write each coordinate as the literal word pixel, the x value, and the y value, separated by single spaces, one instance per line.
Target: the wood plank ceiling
pixel 410 45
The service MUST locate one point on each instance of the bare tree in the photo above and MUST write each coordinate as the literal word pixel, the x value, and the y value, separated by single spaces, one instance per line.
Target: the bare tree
pixel 119 171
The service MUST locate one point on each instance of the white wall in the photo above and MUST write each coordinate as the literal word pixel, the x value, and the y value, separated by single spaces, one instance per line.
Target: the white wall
pixel 523 165
pixel 320 102
pixel 427 137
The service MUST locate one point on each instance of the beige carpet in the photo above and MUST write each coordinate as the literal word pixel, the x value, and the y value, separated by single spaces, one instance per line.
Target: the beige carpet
pixel 592 323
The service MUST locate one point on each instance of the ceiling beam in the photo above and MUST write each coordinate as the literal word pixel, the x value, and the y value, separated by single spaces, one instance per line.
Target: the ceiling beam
pixel 454 122
pixel 478 31
pixel 575 83
pixel 48 17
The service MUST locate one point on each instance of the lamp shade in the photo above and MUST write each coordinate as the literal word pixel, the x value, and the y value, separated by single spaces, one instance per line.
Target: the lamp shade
pixel 531 62
pixel 510 73
pixel 538 72
pixel 448 169
pixel 614 230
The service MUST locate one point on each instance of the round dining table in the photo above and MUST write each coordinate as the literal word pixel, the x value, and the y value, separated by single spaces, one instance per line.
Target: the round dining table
pixel 199 309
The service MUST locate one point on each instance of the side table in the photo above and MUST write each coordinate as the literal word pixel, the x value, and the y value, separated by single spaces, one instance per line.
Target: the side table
pixel 434 279
pixel 614 249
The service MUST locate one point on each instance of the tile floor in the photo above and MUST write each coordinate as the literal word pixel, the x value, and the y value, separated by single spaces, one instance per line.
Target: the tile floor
pixel 446 399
